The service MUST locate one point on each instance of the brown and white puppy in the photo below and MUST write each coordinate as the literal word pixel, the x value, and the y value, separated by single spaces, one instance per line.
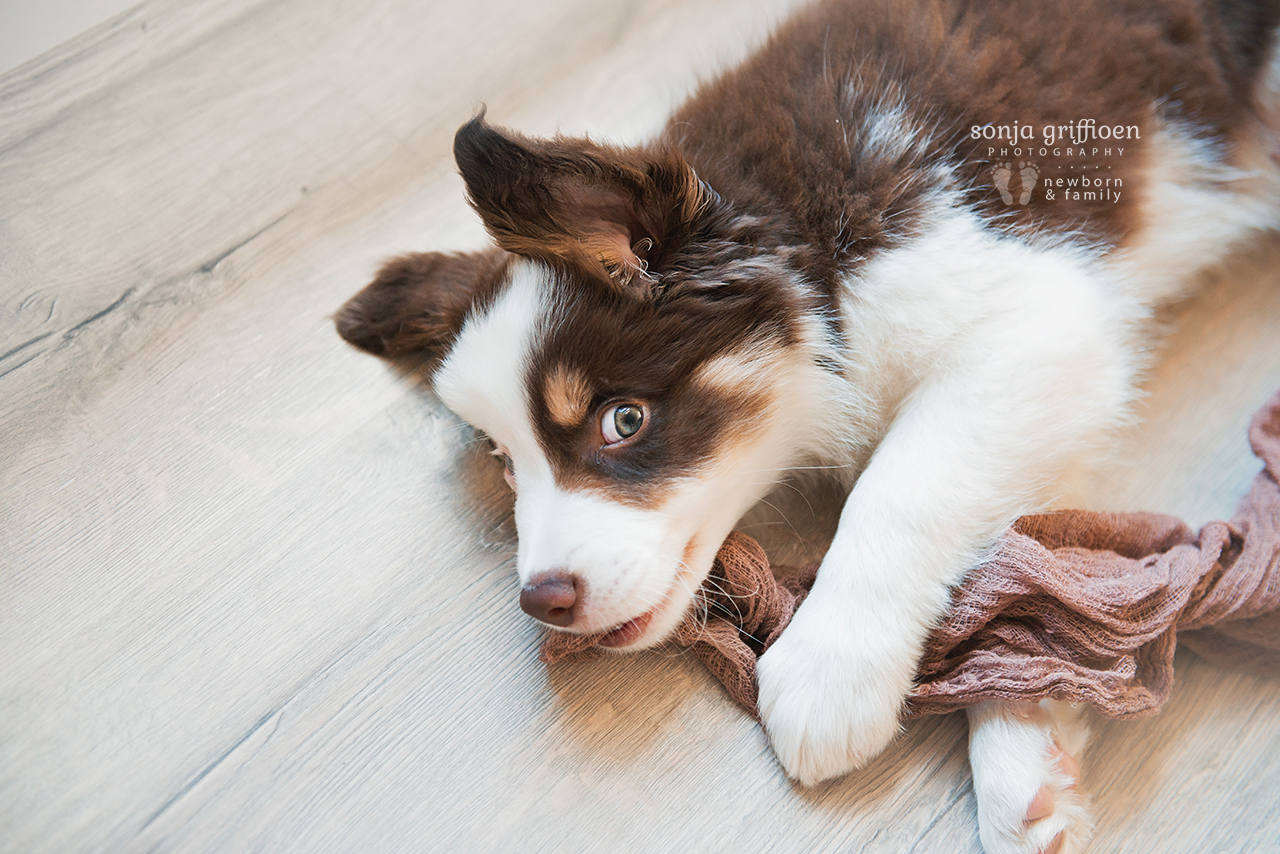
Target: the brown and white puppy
pixel 913 241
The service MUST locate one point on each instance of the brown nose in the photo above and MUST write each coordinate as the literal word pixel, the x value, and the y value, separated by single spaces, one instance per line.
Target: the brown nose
pixel 550 599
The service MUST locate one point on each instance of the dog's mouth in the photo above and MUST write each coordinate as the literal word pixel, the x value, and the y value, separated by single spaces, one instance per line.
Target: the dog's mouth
pixel 630 631
pixel 633 630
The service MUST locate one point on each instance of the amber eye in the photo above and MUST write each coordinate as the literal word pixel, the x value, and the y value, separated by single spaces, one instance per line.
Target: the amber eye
pixel 621 422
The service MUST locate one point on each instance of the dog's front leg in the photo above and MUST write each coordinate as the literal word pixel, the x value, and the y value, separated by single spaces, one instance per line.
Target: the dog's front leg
pixel 832 686
pixel 969 451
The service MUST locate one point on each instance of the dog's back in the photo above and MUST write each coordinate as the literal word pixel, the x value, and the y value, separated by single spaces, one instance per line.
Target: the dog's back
pixel 854 112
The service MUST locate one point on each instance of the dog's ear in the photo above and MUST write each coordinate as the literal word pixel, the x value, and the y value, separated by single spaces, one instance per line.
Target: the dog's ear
pixel 616 212
pixel 417 302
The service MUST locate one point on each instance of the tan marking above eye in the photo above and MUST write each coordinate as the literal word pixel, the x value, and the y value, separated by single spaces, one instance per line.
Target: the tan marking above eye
pixel 749 369
pixel 567 395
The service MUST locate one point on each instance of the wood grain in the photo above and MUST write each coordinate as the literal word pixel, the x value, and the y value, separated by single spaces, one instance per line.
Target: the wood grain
pixel 256 589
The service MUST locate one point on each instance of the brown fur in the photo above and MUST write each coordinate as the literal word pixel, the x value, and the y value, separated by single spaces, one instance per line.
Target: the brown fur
pixel 418 302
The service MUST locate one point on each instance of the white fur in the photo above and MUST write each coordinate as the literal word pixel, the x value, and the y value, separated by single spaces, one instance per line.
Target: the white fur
pixel 1197 206
pixel 482 378
pixel 1200 202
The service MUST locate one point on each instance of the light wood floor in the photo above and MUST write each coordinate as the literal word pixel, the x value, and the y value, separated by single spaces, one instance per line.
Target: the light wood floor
pixel 256 589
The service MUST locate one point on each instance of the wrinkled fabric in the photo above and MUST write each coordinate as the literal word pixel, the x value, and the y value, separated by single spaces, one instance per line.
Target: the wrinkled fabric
pixel 1077 606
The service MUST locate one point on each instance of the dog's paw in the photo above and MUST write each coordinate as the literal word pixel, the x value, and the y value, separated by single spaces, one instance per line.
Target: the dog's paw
pixel 1026 777
pixel 829 698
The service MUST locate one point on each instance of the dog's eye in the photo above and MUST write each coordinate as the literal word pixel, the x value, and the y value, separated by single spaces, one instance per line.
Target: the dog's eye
pixel 510 473
pixel 621 422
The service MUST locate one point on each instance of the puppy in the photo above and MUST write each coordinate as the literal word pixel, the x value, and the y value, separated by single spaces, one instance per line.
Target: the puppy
pixel 916 241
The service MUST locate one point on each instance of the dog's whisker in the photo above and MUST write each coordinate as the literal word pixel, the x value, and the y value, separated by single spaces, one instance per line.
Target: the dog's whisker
pixel 813 514
pixel 833 467
pixel 783 517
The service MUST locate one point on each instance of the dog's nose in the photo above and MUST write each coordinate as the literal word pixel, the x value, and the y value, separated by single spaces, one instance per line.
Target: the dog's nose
pixel 550 598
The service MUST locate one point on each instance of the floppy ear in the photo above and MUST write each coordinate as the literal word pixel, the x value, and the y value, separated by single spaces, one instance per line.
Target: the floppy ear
pixel 614 211
pixel 417 302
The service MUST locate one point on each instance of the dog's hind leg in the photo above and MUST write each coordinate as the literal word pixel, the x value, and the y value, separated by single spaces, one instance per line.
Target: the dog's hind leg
pixel 1026 772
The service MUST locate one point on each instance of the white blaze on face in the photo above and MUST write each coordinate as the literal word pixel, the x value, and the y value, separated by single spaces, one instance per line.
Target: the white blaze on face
pixel 482 379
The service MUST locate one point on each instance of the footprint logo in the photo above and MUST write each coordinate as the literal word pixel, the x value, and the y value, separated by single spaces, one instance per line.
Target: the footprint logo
pixel 1029 178
pixel 1002 172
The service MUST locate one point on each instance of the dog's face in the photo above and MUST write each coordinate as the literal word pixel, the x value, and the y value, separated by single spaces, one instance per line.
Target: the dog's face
pixel 639 374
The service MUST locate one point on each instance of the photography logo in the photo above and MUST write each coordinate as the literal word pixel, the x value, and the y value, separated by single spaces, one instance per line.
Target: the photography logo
pixel 1055 162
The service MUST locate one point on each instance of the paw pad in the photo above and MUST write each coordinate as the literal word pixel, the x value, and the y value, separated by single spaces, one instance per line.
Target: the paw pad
pixel 1041 805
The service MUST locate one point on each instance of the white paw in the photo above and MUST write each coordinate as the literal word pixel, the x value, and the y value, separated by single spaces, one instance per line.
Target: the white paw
pixel 1025 775
pixel 829 695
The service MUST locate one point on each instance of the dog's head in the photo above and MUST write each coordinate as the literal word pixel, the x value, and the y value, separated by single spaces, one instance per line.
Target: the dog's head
pixel 641 360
